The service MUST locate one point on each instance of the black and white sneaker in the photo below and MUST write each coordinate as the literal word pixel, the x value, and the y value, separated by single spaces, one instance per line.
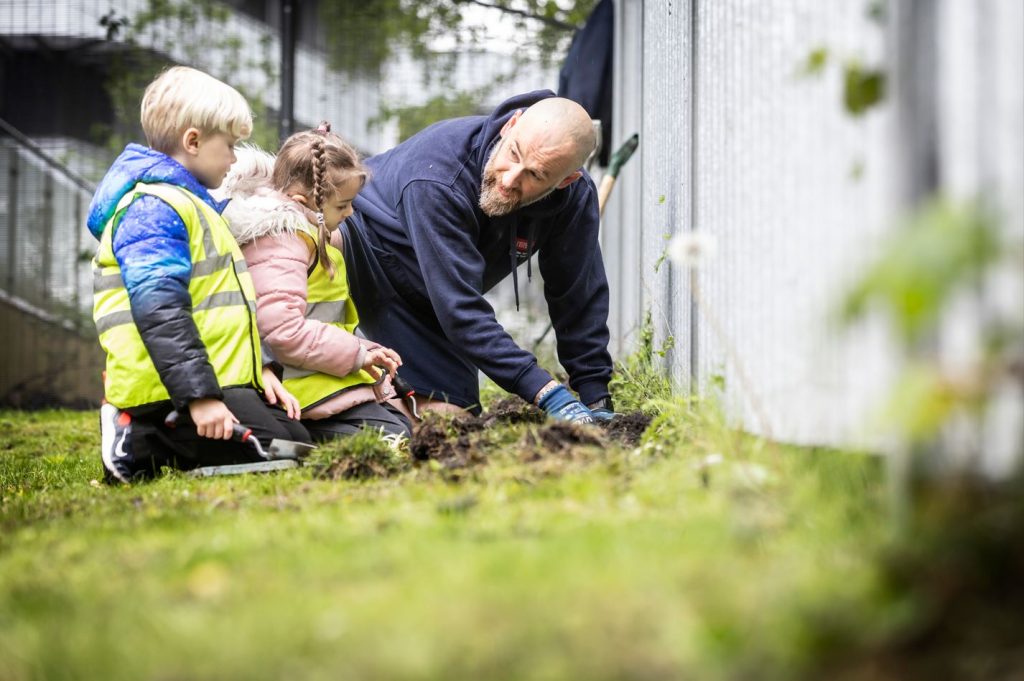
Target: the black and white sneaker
pixel 116 450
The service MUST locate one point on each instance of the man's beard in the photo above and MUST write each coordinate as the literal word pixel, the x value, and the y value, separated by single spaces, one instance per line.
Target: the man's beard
pixel 492 201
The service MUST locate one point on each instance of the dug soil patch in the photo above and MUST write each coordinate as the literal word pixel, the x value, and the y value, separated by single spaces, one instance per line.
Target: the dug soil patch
pixel 627 428
pixel 462 443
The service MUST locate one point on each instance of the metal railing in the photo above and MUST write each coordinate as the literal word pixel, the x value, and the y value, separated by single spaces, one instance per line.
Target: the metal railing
pixel 44 246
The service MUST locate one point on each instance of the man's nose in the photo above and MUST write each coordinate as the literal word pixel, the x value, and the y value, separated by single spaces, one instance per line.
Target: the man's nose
pixel 510 178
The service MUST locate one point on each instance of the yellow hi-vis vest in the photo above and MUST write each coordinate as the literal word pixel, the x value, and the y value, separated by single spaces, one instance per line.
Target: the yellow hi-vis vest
pixel 223 305
pixel 327 301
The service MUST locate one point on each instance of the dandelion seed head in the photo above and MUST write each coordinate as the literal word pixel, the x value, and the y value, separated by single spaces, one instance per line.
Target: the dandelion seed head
pixel 691 249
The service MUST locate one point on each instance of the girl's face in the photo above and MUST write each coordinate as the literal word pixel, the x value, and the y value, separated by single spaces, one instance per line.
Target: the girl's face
pixel 339 205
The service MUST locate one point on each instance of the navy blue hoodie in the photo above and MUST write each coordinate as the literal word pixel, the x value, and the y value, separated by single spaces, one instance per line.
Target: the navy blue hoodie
pixel 421 207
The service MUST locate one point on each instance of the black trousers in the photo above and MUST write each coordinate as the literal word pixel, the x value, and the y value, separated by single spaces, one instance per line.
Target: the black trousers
pixel 370 416
pixel 182 447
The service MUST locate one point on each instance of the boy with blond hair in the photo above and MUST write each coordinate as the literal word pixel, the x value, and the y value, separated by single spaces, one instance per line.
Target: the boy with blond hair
pixel 172 300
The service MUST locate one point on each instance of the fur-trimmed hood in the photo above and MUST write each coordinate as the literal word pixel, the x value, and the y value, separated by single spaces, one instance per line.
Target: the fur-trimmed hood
pixel 256 209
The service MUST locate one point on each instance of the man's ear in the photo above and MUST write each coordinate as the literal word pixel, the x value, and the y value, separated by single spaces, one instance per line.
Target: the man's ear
pixel 569 180
pixel 511 122
pixel 190 141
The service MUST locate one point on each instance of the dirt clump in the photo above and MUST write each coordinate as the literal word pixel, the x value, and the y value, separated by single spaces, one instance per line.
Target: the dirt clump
pixel 627 428
pixel 564 439
pixel 512 410
pixel 447 442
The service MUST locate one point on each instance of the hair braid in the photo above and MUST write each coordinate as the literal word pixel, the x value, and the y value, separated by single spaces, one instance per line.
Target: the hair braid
pixel 319 193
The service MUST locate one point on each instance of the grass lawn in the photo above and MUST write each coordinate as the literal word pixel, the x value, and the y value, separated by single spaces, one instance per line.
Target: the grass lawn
pixel 698 553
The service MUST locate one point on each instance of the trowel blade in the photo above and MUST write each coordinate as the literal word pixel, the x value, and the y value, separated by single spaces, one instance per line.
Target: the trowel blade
pixel 288 449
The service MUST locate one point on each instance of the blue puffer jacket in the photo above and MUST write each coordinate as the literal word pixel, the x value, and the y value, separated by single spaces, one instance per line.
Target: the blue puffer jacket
pixel 151 248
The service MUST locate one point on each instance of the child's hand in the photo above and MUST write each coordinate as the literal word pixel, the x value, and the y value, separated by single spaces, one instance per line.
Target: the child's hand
pixel 276 393
pixel 212 417
pixel 385 358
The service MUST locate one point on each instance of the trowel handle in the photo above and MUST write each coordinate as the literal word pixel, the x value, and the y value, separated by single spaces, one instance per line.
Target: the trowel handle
pixel 239 433
pixel 407 394
pixel 171 420
pixel 403 389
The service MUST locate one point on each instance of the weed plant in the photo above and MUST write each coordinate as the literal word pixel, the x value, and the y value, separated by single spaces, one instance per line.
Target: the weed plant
pixel 639 382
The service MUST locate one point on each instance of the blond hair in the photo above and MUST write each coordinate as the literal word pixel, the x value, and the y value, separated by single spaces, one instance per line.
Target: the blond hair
pixel 314 163
pixel 181 98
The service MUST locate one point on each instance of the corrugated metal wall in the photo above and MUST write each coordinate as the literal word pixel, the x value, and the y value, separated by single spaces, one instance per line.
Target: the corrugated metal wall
pixel 737 142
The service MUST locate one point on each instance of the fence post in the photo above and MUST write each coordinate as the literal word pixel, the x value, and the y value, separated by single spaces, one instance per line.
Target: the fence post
pixel 76 264
pixel 47 235
pixel 287 123
pixel 12 220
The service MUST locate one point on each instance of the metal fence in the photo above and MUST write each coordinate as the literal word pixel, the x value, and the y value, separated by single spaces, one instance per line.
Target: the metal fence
pixel 50 351
pixel 44 248
pixel 739 142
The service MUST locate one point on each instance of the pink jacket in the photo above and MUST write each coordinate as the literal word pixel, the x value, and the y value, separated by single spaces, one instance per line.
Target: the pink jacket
pixel 267 225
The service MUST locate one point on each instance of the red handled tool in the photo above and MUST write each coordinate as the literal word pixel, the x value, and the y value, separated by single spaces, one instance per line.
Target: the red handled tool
pixel 407 393
pixel 279 449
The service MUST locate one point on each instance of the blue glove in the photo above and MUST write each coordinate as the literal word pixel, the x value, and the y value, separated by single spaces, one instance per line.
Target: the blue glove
pixel 561 405
pixel 603 410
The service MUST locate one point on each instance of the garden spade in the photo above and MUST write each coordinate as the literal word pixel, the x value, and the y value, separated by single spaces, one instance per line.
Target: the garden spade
pixel 615 163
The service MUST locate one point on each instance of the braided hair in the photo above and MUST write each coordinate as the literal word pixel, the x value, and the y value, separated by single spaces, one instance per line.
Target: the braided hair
pixel 313 163
pixel 319 190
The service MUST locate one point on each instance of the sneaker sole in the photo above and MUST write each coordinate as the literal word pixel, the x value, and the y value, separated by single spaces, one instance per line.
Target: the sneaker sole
pixel 108 413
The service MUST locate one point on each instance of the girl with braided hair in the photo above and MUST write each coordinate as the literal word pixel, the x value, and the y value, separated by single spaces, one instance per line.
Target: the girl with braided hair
pixel 285 213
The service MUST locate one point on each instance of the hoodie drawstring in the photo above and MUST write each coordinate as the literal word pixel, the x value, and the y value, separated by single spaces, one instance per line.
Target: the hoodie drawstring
pixel 515 262
pixel 514 256
pixel 529 253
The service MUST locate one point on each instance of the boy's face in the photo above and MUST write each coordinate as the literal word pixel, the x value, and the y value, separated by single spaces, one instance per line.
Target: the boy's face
pixel 208 156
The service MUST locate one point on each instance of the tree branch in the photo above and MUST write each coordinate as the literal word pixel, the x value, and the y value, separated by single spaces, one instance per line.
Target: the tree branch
pixel 550 21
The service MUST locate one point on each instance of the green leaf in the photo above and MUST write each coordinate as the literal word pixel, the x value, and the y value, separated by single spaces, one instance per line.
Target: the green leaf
pixel 862 88
pixel 942 249
pixel 815 62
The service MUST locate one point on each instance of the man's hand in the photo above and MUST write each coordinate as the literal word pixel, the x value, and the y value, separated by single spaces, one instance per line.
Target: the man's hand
pixel 276 393
pixel 559 404
pixel 386 358
pixel 212 417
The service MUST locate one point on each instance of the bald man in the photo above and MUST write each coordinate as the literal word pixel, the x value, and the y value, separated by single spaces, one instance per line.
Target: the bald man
pixel 455 209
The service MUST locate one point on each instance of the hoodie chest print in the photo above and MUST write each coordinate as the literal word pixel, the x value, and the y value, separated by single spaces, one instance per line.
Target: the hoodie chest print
pixel 522 248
